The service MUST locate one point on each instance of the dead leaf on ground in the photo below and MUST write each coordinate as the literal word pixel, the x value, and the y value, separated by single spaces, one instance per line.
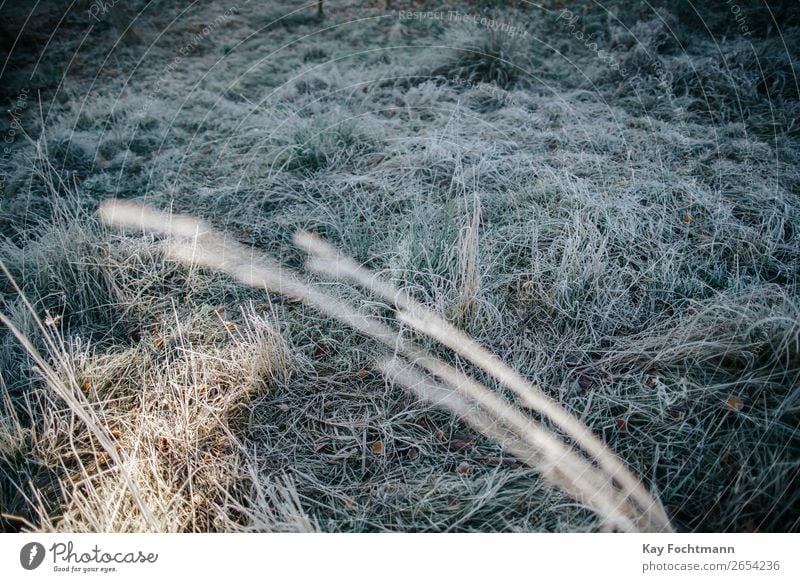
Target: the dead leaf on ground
pixel 585 383
pixel 322 348
pixel 377 448
pixel 460 444
pixel 734 403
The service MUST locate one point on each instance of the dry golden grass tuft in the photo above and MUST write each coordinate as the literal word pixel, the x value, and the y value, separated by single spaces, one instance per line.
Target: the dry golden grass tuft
pixel 148 440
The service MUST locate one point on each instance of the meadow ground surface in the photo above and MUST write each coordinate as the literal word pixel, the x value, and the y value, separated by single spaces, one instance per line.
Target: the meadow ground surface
pixel 605 196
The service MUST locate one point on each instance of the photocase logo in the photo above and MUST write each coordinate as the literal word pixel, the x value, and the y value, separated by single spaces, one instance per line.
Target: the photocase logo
pixel 31 555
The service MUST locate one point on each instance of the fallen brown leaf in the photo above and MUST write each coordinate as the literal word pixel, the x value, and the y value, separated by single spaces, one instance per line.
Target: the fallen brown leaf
pixel 322 348
pixel 585 383
pixel 734 403
pixel 460 444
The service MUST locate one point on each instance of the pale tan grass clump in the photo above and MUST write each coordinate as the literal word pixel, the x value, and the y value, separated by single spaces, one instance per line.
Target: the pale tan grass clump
pixel 469 279
pixel 149 440
pixel 599 479
pixel 175 408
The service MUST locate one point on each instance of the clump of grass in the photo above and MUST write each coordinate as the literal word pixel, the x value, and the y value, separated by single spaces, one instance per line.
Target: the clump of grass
pixel 144 414
pixel 750 83
pixel 169 409
pixel 493 58
pixel 316 148
pixel 314 54
pixel 469 276
pixel 664 66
